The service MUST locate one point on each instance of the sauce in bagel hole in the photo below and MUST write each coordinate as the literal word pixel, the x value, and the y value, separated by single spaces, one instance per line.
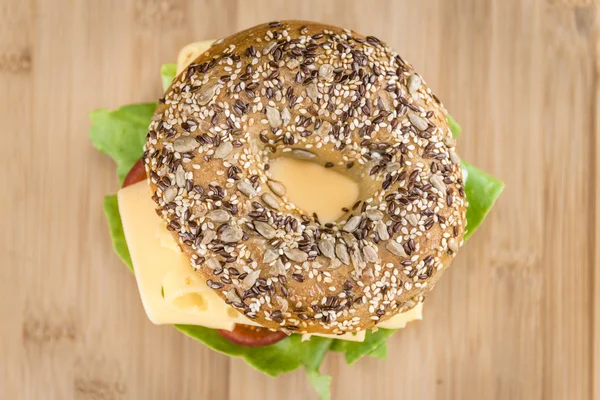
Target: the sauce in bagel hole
pixel 243 335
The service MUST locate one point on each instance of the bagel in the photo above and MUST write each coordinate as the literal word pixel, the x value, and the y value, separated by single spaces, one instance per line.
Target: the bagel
pixel 332 96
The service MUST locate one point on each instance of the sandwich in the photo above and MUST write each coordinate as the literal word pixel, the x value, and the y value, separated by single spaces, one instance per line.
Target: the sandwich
pixel 295 190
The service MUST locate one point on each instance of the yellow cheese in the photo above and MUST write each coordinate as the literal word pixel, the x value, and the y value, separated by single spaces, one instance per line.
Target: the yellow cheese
pixel 190 52
pixel 171 292
pixel 158 269
pixel 399 321
pixel 314 188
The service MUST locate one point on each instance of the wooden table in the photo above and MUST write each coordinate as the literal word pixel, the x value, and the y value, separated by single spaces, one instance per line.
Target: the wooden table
pixel 517 316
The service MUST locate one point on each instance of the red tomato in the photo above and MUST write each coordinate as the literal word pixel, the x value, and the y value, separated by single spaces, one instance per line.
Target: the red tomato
pixel 136 174
pixel 252 336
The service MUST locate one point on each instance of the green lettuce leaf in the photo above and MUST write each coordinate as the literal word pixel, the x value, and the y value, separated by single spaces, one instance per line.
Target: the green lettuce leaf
pixel 111 211
pixel 273 360
pixel 354 351
pixel 380 352
pixel 454 126
pixel 121 133
pixel 168 72
pixel 482 191
pixel 481 188
pixel 321 383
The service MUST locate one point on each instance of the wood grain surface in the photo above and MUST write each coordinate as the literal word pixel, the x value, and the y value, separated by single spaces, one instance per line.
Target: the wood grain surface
pixel 517 316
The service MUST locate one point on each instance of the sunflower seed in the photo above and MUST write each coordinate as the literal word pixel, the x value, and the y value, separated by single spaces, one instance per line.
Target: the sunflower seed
pixel 454 157
pixel 232 234
pixel 393 166
pixel 206 93
pixel 382 231
pixel 341 251
pixel 412 219
pixel 223 150
pixel 274 117
pixel 352 224
pixel 324 129
pixel 370 254
pixel 247 189
pixel 169 194
pixel 449 141
pixel 270 256
pixel 326 71
pixel 417 121
pixel 334 263
pixel 277 268
pixel 264 229
pixel 303 154
pixel 270 200
pixel 292 63
pixel 357 261
pixel 277 187
pixel 219 216
pixel 453 245
pixel 312 92
pixel 213 263
pixel 296 255
pixel 285 116
pixel 283 303
pixel 180 176
pixel 438 183
pixel 267 49
pixel 209 236
pixel 185 144
pixel 232 296
pixel 374 215
pixel 250 279
pixel 326 246
pixel 350 240
pixel 414 83
pixel 396 248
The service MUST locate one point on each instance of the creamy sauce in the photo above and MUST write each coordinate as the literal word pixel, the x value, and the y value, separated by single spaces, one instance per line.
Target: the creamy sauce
pixel 314 188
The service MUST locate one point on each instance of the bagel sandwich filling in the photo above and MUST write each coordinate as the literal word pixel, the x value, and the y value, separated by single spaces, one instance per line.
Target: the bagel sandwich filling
pixel 296 190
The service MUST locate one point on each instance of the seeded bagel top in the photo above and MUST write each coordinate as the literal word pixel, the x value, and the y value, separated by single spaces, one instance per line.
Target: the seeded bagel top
pixel 335 97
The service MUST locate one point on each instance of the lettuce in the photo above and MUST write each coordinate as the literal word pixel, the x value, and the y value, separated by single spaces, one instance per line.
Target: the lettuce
pixel 276 359
pixel 121 134
pixel 454 126
pixel 168 72
pixel 380 352
pixel 482 189
pixel 354 351
pixel 115 226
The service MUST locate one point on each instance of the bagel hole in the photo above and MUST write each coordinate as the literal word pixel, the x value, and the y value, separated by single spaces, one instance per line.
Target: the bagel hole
pixel 313 188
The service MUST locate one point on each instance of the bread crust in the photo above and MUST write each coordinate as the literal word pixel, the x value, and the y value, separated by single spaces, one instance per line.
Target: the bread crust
pixel 331 95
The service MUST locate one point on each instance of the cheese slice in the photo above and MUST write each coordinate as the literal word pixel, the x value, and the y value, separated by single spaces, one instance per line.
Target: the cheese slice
pixel 171 291
pixel 190 52
pixel 160 270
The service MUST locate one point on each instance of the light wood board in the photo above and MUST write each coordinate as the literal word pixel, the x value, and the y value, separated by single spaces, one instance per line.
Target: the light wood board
pixel 516 317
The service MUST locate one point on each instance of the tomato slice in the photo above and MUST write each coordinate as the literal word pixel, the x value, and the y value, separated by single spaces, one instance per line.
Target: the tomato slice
pixel 136 174
pixel 244 335
pixel 252 336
